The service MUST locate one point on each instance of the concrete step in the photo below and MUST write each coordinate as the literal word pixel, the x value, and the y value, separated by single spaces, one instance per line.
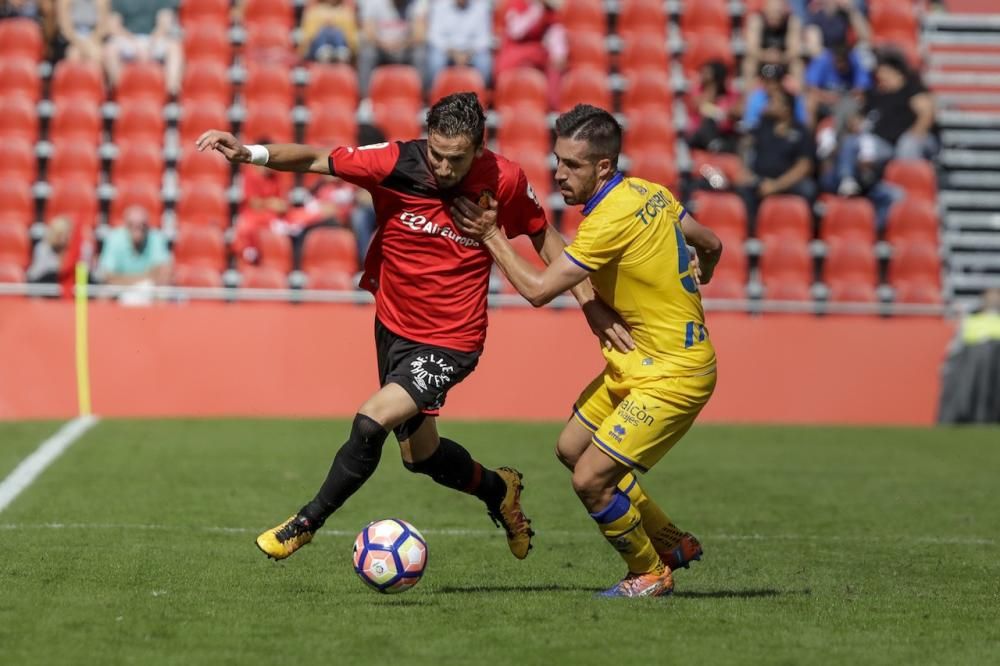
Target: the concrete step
pixel 984 38
pixel 968 119
pixel 973 221
pixel 977 261
pixel 970 200
pixel 968 180
pixel 975 138
pixel 970 159
pixel 982 241
pixel 941 21
pixel 973 282
pixel 989 80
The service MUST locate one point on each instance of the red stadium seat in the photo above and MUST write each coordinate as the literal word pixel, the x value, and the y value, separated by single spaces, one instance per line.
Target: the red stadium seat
pixel 644 49
pixel 585 15
pixel 851 260
pixel 17 197
pixel 145 194
pixel 784 215
pixel 703 48
pixel 263 277
pixel 18 118
pixel 205 80
pixel 636 16
pixel 400 124
pixel 207 166
pixel 19 162
pixel 852 291
pixel 142 81
pixel 15 246
pixel 852 219
pixel 207 42
pixel 917 177
pixel 918 293
pixel 730 165
pixel 16 218
pixel 588 49
pixel 396 85
pixel 214 12
pixel 521 87
pixel 786 258
pixel 569 222
pixel 138 161
pixel 706 17
pixel 268 84
pixel 19 76
pixel 199 117
pixel 203 203
pixel 75 198
pixel 524 126
pixel 21 38
pixel 269 42
pixel 334 85
pixel 584 86
pixel 655 166
pixel 74 160
pixel 269 12
pixel 536 169
pixel 77 81
pixel 724 288
pixel 735 265
pixel 275 251
pixel 329 279
pixel 893 16
pixel 648 90
pixel 724 212
pixel 459 79
pixel 526 249
pixel 76 120
pixel 328 248
pixel 11 274
pixel 331 125
pixel 270 122
pixel 200 246
pixel 912 220
pixel 789 288
pixel 915 262
pixel 139 122
pixel 197 277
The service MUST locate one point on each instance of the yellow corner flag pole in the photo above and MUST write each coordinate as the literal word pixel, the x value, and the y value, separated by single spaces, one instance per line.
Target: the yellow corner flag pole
pixel 82 346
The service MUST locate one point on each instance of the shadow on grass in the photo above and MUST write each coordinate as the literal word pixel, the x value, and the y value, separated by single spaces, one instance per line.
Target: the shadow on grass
pixel 488 589
pixel 739 594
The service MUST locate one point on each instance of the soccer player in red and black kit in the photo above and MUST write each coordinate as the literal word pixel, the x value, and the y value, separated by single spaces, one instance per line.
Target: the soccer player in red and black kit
pixel 430 284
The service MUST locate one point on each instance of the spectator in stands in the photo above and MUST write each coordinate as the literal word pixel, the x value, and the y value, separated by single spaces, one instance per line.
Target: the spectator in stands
pixel 134 253
pixel 83 26
pixel 533 37
pixel 773 35
pixel 392 32
pixel 48 261
pixel 832 22
pixel 781 159
pixel 758 100
pixel 970 379
pixel 329 32
pixel 714 109
pixel 264 207
pixel 459 33
pixel 144 30
pixel 836 83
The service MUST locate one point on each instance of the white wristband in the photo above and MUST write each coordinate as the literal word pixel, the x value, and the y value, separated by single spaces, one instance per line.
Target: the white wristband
pixel 258 154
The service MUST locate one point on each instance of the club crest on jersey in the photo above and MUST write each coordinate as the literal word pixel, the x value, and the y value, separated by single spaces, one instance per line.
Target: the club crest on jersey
pixel 484 198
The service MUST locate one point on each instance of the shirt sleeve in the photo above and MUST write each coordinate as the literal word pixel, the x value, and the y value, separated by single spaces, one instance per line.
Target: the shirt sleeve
pixel 520 211
pixel 815 70
pixel 365 166
pixel 158 252
pixel 596 244
pixel 108 262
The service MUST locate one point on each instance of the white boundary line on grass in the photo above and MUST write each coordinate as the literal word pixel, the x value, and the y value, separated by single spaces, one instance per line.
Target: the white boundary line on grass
pixel 828 538
pixel 46 453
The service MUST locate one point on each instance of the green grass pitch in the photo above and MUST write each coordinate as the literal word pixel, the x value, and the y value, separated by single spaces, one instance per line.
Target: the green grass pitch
pixel 822 546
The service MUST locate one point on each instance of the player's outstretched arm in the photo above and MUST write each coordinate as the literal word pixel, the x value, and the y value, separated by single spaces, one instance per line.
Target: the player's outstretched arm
pixel 706 244
pixel 277 156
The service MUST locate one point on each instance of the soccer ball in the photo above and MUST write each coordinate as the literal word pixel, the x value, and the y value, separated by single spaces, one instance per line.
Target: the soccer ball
pixel 390 555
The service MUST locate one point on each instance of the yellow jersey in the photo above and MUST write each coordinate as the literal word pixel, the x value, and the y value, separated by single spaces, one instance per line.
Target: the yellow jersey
pixel 631 242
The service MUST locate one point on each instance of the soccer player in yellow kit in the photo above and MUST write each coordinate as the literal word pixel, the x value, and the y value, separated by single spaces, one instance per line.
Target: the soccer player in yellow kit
pixel 633 246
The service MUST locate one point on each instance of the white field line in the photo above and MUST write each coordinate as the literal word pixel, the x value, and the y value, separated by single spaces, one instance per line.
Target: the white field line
pixel 46 453
pixel 466 533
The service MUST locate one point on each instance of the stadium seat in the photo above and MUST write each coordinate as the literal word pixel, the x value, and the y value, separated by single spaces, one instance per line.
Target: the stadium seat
pixel 526 249
pixel 203 203
pixel 785 259
pixel 205 80
pixel 15 245
pixel 903 41
pixel 19 76
pixel 267 121
pixel 893 16
pixel 197 277
pixel 137 161
pixel 459 79
pixel 197 117
pixel 912 220
pixel 207 166
pixel 524 126
pixel 76 120
pixel 396 85
pixel 11 274
pixel 521 87
pixel 19 162
pixel 648 89
pixel 847 259
pixel 200 246
pixel 702 48
pixel 141 82
pixel 569 222
pixel 263 277
pixel 77 81
pixel 137 193
pixel 918 293
pixel 706 17
pixel 275 251
pixel 16 218
pixel 784 215
pixel 724 288
pixel 334 85
pixel 736 263
pixel 788 288
pixel 852 219
pixel 269 42
pixel 656 166
pixel 644 49
pixel 207 42
pixel 213 12
pixel 329 248
pixel 74 160
pixel 21 38
pixel 584 86
pixel 536 169
pixel 331 125
pixel 269 12
pixel 586 15
pixel 588 49
pixel 637 16
pixel 400 124
pixel 852 291
pixel 17 197
pixel 18 118
pixel 268 84
pixel 915 262
pixel 730 165
pixel 330 279
pixel 75 198
pixel 648 131
pixel 139 120
pixel 724 212
pixel 917 177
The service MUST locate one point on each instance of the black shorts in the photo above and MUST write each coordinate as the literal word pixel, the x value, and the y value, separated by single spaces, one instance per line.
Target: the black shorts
pixel 424 371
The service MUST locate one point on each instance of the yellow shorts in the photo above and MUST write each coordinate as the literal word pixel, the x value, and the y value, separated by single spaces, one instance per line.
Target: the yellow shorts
pixel 636 421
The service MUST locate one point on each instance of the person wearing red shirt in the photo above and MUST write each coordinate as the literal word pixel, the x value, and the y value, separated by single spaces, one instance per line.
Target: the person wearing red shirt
pixel 430 284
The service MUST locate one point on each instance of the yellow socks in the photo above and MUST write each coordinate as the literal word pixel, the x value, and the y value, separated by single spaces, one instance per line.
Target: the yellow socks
pixel 621 525
pixel 661 530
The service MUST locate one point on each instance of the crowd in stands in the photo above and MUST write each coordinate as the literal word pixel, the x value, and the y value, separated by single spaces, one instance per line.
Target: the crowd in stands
pixel 818 108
